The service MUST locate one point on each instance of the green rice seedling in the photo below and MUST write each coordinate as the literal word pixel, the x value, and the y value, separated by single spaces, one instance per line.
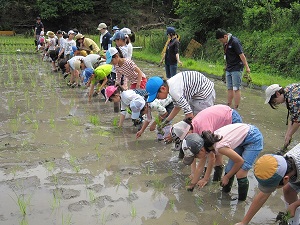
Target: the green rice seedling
pixel 158 185
pixel 11 103
pixel 73 162
pixel 118 179
pixel 172 204
pixel 133 212
pixel 115 122
pixel 33 83
pixel 187 181
pixel 92 196
pixel 54 179
pixel 15 125
pixel 27 98
pixel 98 153
pixel 23 203
pixel 40 102
pixel 66 220
pixel 52 123
pixel 104 217
pixel 50 166
pixel 56 200
pixel 198 200
pixel 170 172
pixel 24 221
pixel 75 121
pixel 129 189
pixel 94 119
pixel 104 133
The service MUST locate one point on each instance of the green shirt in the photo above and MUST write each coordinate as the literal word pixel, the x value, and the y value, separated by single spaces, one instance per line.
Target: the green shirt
pixel 101 72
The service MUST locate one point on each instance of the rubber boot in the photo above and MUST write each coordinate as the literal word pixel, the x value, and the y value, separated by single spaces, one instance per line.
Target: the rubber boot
pixel 243 186
pixel 227 187
pixel 218 173
pixel 181 154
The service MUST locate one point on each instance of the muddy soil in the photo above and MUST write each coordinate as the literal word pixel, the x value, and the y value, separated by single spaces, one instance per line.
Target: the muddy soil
pixel 64 161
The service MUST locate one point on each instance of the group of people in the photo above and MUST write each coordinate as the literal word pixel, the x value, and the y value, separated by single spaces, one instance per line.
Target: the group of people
pixel 208 131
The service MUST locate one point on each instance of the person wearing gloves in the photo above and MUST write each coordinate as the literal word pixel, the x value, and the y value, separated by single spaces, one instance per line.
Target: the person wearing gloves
pixel 211 118
pixel 99 75
pixel 240 142
pixel 171 55
pixel 191 91
pixel 117 94
pixel 290 96
pixel 276 171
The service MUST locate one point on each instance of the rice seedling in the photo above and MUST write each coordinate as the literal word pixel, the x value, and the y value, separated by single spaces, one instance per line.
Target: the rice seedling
pixel 50 166
pixel 56 200
pixel 104 217
pixel 133 212
pixel 24 221
pixel 27 99
pixel 54 179
pixel 172 204
pixel 98 153
pixel 118 179
pixel 66 220
pixel 92 196
pixel 52 123
pixel 74 163
pixel 129 189
pixel 104 133
pixel 94 119
pixel 198 200
pixel 23 203
pixel 115 122
pixel 158 185
pixel 11 102
pixel 15 125
pixel 75 121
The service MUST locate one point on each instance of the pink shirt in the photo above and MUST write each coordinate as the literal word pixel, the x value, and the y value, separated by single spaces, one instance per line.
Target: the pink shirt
pixel 212 118
pixel 128 70
pixel 233 135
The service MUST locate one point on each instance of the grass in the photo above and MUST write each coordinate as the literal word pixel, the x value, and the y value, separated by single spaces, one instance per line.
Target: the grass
pixel 259 78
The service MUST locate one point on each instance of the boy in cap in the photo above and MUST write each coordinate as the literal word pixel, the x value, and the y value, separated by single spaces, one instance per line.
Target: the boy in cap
pixel 290 95
pixel 105 42
pixel 211 118
pixel 272 172
pixel 115 29
pixel 240 142
pixel 235 60
pixel 191 91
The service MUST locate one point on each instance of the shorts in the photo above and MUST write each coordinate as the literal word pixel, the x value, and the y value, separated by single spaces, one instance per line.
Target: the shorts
pixel 234 80
pixel 142 85
pixel 249 149
pixel 236 117
pixel 197 105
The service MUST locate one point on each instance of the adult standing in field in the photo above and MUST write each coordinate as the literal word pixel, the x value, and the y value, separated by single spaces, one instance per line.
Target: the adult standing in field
pixel 273 172
pixel 290 95
pixel 105 42
pixel 235 61
pixel 39 26
pixel 171 55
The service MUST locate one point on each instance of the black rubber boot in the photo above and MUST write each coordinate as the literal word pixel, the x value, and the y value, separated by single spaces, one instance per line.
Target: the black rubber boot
pixel 227 187
pixel 181 154
pixel 243 186
pixel 218 173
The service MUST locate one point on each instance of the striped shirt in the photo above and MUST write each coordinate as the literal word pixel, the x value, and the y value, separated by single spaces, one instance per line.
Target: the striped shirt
pixel 128 70
pixel 188 85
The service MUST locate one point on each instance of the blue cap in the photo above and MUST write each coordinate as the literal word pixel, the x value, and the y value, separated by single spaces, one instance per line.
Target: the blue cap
pixel 152 87
pixel 110 53
pixel 170 30
pixel 115 28
pixel 117 36
pixel 86 74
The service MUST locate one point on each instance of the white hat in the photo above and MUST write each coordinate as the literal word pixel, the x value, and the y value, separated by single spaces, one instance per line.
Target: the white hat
pixel 180 130
pixel 42 32
pixel 271 90
pixel 126 31
pixel 101 26
pixel 71 32
pixel 136 106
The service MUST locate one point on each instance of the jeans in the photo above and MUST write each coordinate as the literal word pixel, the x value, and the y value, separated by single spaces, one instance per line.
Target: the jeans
pixel 171 70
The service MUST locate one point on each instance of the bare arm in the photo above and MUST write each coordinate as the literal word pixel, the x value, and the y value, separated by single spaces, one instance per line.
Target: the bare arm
pixel 173 113
pixel 141 131
pixel 290 132
pixel 258 201
pixel 122 118
pixel 104 82
pixel 244 60
pixel 236 158
pixel 140 75
pixel 209 168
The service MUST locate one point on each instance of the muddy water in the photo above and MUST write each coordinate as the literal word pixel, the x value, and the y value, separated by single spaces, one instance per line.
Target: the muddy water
pixel 65 162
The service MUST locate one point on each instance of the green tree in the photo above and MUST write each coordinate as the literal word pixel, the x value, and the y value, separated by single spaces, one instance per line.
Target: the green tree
pixel 203 16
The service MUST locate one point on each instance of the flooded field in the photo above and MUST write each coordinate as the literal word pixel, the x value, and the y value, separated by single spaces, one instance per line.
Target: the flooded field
pixel 64 161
